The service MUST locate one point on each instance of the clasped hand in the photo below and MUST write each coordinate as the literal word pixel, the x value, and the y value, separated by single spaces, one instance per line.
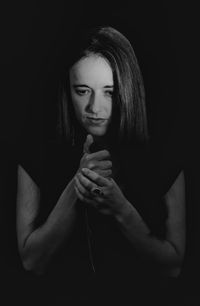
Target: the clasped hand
pixel 95 172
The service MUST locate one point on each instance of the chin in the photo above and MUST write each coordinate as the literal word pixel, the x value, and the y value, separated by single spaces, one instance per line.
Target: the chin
pixel 97 131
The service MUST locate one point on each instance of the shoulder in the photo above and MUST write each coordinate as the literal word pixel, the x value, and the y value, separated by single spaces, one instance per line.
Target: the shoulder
pixel 42 159
pixel 29 157
pixel 152 168
pixel 167 167
pixel 8 157
pixel 32 155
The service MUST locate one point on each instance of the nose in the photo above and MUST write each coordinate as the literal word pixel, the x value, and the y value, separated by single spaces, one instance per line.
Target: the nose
pixel 94 104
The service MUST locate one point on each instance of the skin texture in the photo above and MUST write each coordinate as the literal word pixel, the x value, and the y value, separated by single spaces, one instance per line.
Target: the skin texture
pixel 91 85
pixel 38 245
pixel 95 72
pixel 169 252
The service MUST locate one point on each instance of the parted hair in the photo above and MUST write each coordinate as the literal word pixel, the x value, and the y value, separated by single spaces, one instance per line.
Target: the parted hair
pixel 129 109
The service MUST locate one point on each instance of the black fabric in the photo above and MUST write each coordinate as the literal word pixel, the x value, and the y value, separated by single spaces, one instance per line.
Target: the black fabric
pixel 13 278
pixel 144 175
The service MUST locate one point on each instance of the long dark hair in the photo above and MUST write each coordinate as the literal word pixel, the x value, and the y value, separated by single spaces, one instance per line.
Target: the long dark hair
pixel 129 110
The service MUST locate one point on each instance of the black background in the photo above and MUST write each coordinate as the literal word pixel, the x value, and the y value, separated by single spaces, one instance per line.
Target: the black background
pixel 165 38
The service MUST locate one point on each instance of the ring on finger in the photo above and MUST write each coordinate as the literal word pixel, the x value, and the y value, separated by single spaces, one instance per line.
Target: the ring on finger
pixel 97 191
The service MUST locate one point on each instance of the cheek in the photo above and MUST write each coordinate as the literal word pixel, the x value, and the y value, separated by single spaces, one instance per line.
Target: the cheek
pixel 108 108
pixel 78 106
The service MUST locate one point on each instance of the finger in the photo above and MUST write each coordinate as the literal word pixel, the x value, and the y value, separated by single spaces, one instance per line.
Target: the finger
pixel 87 144
pixel 99 155
pixel 95 177
pixel 81 188
pixel 78 193
pixel 104 173
pixel 84 198
pixel 86 183
pixel 103 165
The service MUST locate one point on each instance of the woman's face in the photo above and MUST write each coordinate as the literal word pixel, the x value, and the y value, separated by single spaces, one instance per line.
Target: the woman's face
pixel 91 86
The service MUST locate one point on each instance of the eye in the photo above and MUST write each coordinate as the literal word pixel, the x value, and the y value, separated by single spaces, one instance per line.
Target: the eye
pixel 82 92
pixel 109 93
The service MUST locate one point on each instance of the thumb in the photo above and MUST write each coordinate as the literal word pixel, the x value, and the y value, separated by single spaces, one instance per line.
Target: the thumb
pixel 87 144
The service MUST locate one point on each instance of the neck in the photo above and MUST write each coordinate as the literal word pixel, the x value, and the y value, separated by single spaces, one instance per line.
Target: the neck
pixel 100 142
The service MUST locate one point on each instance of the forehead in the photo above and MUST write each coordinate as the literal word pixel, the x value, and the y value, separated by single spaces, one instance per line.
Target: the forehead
pixel 92 70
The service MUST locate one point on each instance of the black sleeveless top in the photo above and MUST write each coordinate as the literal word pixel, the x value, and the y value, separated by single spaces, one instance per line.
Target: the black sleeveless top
pixel 97 243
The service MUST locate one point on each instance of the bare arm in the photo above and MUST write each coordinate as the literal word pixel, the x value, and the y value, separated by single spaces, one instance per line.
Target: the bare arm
pixel 38 245
pixel 168 253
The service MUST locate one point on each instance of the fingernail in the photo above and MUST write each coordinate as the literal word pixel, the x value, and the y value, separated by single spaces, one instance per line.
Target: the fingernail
pixel 84 170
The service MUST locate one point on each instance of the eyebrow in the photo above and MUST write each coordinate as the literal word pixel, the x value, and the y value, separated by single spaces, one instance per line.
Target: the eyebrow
pixel 80 85
pixel 109 86
pixel 83 85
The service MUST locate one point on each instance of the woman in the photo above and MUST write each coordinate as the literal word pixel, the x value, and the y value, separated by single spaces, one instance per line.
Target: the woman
pixel 98 216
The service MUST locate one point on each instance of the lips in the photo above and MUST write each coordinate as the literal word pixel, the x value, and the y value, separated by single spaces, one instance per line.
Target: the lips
pixel 96 121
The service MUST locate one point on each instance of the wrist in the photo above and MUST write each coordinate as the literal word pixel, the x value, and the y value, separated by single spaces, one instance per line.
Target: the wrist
pixel 124 212
pixel 70 191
